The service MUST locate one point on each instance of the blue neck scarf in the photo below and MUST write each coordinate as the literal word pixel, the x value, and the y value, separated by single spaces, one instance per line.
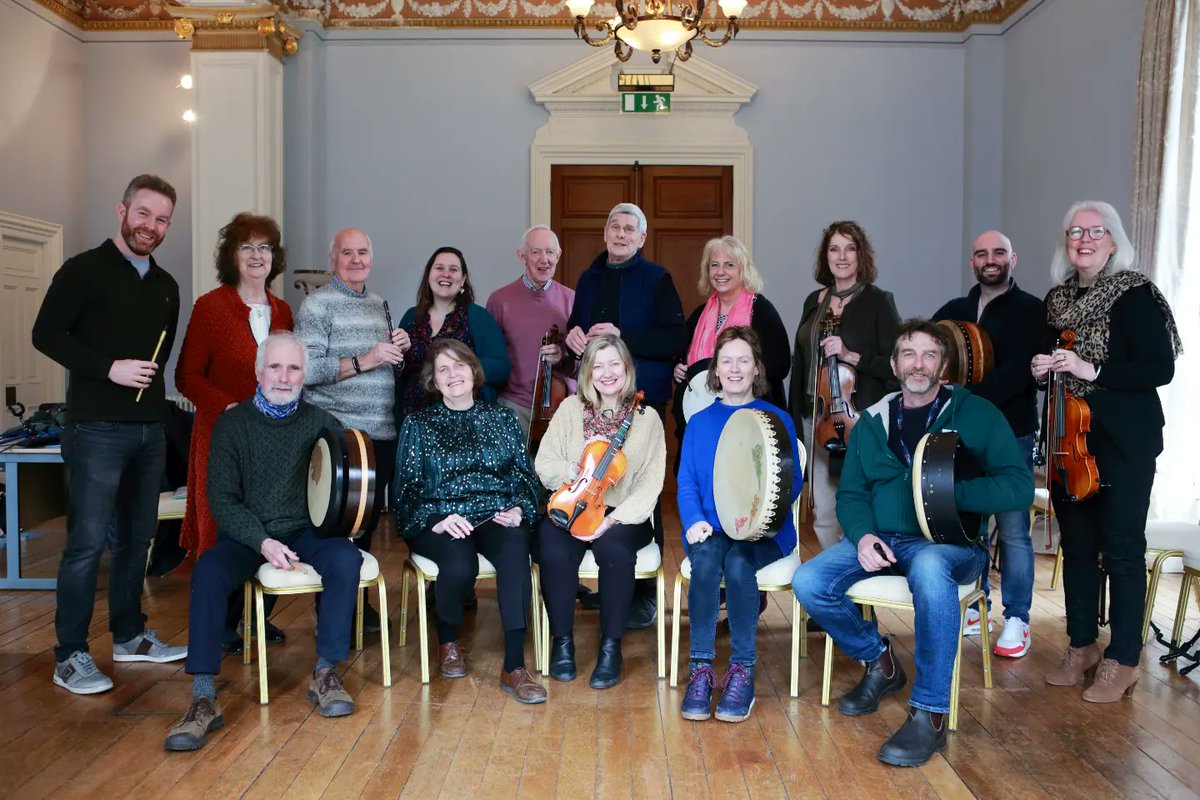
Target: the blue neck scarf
pixel 271 410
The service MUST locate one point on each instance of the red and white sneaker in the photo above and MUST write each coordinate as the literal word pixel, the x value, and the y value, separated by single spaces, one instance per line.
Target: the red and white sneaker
pixel 971 623
pixel 1014 640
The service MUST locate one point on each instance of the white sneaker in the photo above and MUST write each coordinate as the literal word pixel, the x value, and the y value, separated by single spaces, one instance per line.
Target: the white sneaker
pixel 1014 641
pixel 971 624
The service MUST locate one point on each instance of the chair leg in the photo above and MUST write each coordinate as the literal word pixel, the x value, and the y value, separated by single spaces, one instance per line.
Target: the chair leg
pixel 358 619
pixel 956 673
pixel 545 622
pixel 422 627
pixel 384 641
pixel 985 637
pixel 799 609
pixel 247 599
pixel 1056 576
pixel 799 634
pixel 404 570
pixel 534 613
pixel 1189 578
pixel 261 624
pixel 827 674
pixel 1152 588
pixel 661 580
pixel 676 612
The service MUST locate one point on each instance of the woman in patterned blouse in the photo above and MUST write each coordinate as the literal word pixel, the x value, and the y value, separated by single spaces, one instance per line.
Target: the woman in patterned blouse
pixel 464 488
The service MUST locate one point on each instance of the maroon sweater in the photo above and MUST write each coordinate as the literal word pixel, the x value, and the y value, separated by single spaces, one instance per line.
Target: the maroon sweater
pixel 525 316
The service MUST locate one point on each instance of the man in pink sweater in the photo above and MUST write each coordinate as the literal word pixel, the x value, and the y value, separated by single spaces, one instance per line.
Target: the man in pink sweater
pixel 525 309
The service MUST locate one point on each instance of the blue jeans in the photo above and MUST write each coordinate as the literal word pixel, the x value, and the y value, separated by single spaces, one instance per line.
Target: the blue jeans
pixel 114 470
pixel 715 558
pixel 226 566
pixel 1016 553
pixel 934 572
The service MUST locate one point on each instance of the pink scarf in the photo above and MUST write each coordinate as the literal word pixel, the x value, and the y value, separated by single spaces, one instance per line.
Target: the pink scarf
pixel 705 338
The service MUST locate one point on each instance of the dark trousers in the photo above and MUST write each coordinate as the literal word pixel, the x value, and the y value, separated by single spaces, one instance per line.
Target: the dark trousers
pixel 559 555
pixel 458 566
pixel 222 570
pixel 385 468
pixel 1106 534
pixel 113 470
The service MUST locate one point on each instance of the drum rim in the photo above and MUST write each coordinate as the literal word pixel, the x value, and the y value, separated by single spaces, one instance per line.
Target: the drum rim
pixel 950 440
pixel 335 511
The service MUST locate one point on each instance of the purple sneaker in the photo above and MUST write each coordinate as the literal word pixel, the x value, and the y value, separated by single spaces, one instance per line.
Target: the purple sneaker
pixel 737 694
pixel 697 702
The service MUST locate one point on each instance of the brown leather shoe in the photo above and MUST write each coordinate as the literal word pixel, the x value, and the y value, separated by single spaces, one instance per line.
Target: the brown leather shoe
pixel 202 717
pixel 1076 663
pixel 521 685
pixel 452 662
pixel 1114 680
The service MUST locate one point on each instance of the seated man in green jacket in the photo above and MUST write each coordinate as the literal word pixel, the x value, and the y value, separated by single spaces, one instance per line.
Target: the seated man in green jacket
pixel 257 488
pixel 875 508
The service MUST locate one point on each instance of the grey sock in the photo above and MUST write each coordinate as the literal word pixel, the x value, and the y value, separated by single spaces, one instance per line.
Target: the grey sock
pixel 323 664
pixel 204 685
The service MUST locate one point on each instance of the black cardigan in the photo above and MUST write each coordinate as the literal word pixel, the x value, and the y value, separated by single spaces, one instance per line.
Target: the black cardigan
pixel 869 325
pixel 1013 321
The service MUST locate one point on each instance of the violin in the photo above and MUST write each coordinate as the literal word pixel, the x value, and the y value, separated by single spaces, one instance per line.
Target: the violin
pixel 549 390
pixel 834 414
pixel 578 505
pixel 1067 422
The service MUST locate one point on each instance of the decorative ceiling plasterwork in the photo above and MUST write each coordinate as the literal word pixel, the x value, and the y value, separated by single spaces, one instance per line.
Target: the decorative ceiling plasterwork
pixel 876 15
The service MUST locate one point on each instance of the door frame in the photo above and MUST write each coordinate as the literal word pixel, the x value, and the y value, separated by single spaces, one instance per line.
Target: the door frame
pixel 586 126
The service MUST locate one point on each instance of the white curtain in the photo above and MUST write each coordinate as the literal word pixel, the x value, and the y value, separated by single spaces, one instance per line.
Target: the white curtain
pixel 1166 230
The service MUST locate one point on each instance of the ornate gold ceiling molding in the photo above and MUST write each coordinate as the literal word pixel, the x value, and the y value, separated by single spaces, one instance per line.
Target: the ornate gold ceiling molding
pixel 929 16
pixel 244 26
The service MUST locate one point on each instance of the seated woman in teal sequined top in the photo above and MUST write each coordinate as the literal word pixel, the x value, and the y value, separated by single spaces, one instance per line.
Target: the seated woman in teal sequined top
pixel 464 487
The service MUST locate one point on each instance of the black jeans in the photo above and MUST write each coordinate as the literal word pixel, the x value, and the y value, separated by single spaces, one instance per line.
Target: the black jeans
pixel 559 555
pixel 225 567
pixel 1107 534
pixel 113 468
pixel 458 566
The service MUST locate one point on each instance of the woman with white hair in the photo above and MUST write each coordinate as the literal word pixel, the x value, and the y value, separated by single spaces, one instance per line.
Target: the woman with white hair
pixel 1125 348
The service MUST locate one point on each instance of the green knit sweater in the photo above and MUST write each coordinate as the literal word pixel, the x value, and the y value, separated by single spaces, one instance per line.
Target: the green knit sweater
pixel 257 472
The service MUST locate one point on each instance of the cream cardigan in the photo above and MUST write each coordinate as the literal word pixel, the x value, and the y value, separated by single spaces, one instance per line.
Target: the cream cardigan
pixel 633 498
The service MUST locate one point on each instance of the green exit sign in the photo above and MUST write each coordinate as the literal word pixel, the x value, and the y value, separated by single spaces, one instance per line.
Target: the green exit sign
pixel 646 103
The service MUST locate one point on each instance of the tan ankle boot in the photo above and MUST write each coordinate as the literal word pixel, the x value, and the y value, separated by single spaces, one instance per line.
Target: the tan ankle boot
pixel 1113 681
pixel 1076 663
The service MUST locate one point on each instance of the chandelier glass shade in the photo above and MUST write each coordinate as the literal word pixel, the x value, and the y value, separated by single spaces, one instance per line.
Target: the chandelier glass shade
pixel 660 25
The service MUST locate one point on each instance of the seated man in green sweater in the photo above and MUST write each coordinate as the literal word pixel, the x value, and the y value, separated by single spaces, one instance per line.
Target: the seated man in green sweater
pixel 257 484
pixel 875 508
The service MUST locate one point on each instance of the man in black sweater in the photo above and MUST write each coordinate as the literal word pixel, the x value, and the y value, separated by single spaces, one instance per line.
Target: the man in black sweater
pixel 257 489
pixel 1012 320
pixel 109 317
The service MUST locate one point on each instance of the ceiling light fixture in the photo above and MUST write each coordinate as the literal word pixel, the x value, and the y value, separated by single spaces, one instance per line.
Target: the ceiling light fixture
pixel 664 25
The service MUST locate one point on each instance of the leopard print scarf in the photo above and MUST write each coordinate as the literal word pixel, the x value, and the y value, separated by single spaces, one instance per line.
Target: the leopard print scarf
pixel 1088 316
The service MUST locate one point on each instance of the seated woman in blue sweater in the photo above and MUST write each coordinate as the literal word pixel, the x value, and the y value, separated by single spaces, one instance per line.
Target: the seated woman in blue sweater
pixel 738 373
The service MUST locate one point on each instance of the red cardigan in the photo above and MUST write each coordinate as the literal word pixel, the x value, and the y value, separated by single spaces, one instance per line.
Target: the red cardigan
pixel 216 368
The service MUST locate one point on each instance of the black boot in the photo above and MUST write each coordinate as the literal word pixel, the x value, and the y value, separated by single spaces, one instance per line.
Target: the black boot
pixel 562 658
pixel 607 673
pixel 881 677
pixel 921 735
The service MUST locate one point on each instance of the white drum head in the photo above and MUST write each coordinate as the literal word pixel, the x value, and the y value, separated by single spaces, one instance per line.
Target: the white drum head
pixel 696 396
pixel 752 475
pixel 320 482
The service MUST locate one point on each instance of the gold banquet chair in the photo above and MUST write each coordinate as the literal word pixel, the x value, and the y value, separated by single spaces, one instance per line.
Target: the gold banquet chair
pixel 648 565
pixel 303 579
pixel 424 571
pixel 1191 581
pixel 891 591
pixel 775 577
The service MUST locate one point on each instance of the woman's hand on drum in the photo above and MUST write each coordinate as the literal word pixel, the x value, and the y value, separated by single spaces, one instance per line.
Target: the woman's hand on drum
pixel 873 554
pixel 455 525
pixel 698 532
pixel 509 517
pixel 278 554
pixel 680 372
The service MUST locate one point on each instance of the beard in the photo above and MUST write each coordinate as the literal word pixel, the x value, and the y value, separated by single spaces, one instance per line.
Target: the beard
pixel 1000 278
pixel 282 394
pixel 917 382
pixel 129 235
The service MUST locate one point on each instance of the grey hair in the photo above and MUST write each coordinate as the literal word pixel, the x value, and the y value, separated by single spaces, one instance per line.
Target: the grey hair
pixel 260 358
pixel 632 210
pixel 525 236
pixel 1123 258
pixel 333 243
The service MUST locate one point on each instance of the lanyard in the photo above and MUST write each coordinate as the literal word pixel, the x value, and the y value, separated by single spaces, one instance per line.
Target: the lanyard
pixel 899 417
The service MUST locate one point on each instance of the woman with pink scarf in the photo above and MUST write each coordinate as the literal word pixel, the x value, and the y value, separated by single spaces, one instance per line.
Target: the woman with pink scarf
pixel 733 287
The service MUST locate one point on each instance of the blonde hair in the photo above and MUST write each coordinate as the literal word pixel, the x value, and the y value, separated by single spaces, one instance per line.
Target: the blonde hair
pixel 750 277
pixel 1123 257
pixel 586 389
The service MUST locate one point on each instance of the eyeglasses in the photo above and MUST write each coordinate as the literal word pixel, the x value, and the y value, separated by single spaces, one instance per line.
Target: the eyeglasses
pixel 1095 233
pixel 249 249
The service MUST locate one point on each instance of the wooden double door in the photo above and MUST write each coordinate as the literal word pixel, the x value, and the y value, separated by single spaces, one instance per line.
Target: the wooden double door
pixel 685 206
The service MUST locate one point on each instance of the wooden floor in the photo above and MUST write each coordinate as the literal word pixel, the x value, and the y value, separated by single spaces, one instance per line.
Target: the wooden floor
pixel 465 738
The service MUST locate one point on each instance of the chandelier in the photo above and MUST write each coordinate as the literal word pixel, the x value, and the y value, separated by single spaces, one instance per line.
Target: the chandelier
pixel 665 25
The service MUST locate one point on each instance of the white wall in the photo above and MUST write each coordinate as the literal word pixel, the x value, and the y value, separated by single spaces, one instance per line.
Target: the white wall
pixel 41 121
pixel 1070 98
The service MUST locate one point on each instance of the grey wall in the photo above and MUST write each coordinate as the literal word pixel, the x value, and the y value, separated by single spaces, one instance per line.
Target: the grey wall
pixel 41 121
pixel 1070 98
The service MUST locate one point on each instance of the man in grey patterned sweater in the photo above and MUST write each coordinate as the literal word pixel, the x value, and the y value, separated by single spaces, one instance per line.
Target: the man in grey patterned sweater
pixel 257 488
pixel 353 353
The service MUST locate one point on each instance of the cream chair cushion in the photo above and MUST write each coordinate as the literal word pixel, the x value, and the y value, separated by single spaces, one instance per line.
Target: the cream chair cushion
pixel 304 575
pixel 649 558
pixel 777 573
pixel 893 588
pixel 430 567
